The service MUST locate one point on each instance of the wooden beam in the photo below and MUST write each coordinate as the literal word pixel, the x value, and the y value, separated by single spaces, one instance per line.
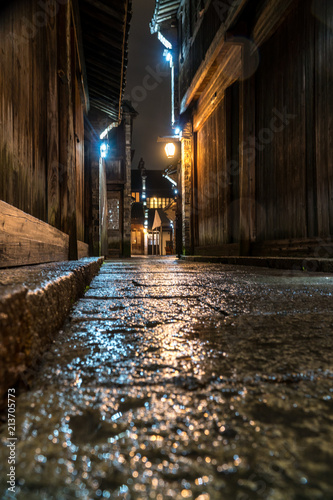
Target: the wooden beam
pixel 122 75
pixel 234 12
pixel 82 64
pixel 82 249
pixel 309 76
pixel 202 76
pixel 246 157
pixel 27 240
pixel 53 192
pixel 67 69
pixel 270 18
pixel 228 72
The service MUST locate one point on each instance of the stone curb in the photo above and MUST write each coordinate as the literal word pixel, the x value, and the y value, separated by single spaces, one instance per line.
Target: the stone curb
pixel 287 263
pixel 33 309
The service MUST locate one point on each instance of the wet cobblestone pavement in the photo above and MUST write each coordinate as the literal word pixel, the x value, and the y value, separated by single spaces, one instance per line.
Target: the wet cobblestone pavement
pixel 175 380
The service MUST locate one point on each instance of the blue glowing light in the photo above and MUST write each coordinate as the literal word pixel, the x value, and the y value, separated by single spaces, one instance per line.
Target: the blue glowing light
pixel 104 150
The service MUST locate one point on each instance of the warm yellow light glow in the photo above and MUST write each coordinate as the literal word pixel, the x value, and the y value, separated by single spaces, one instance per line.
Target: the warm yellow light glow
pixel 170 149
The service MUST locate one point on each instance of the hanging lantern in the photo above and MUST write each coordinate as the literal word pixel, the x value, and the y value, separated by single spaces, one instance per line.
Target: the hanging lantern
pixel 170 149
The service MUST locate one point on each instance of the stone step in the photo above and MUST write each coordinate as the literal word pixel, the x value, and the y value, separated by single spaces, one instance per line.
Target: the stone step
pixel 34 303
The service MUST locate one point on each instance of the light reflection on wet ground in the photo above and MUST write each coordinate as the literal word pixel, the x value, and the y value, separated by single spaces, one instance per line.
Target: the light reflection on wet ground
pixel 177 380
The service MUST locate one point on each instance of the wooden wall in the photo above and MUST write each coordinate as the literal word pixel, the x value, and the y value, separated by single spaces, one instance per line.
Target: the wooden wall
pixel 294 161
pixel 263 166
pixel 323 114
pixel 79 162
pixel 211 176
pixel 23 111
pixel 41 115
pixel 217 174
pixel 281 174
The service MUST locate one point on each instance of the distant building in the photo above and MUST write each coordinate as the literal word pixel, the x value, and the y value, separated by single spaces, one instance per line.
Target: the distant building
pixel 151 194
pixel 161 233
pixel 137 229
pixel 159 192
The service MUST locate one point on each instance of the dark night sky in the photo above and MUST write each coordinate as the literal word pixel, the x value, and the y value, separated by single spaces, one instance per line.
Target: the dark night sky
pixel 149 95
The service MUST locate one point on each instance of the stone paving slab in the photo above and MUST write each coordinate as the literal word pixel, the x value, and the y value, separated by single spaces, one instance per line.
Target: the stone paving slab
pixel 145 398
pixel 287 292
pixel 34 302
pixel 140 312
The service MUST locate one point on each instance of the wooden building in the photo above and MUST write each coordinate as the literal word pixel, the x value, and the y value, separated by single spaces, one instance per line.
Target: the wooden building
pixel 253 95
pixel 151 193
pixel 112 185
pixel 162 233
pixel 62 76
pixel 138 229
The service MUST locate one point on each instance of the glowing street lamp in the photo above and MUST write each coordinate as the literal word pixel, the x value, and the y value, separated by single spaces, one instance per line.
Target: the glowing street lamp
pixel 170 149
pixel 104 150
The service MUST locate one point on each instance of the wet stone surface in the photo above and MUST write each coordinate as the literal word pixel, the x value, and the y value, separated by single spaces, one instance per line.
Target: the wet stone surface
pixel 177 380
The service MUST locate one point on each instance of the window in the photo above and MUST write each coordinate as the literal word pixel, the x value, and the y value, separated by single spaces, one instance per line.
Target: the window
pixel 113 214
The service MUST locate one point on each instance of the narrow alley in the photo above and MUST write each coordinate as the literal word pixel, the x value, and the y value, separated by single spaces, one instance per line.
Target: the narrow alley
pixel 175 380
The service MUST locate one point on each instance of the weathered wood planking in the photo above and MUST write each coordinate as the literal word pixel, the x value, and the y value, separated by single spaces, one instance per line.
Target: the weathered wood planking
pixel 41 116
pixel 217 179
pixel 323 18
pixel 247 157
pixel 295 168
pixel 25 251
pixel 281 133
pixel 22 140
pixel 7 161
pixel 317 247
pixel 39 108
pixel 229 71
pixel 64 105
pixel 82 249
pixel 233 162
pixel 310 129
pixel 27 240
pixel 53 180
pixel 79 160
pixel 275 153
pixel 272 15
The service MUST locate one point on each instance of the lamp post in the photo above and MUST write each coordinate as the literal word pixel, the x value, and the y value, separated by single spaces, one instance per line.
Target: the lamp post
pixel 173 151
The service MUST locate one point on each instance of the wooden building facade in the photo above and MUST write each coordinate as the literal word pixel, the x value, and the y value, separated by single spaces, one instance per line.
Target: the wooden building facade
pixel 118 182
pixel 256 112
pixel 62 76
pixel 151 193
